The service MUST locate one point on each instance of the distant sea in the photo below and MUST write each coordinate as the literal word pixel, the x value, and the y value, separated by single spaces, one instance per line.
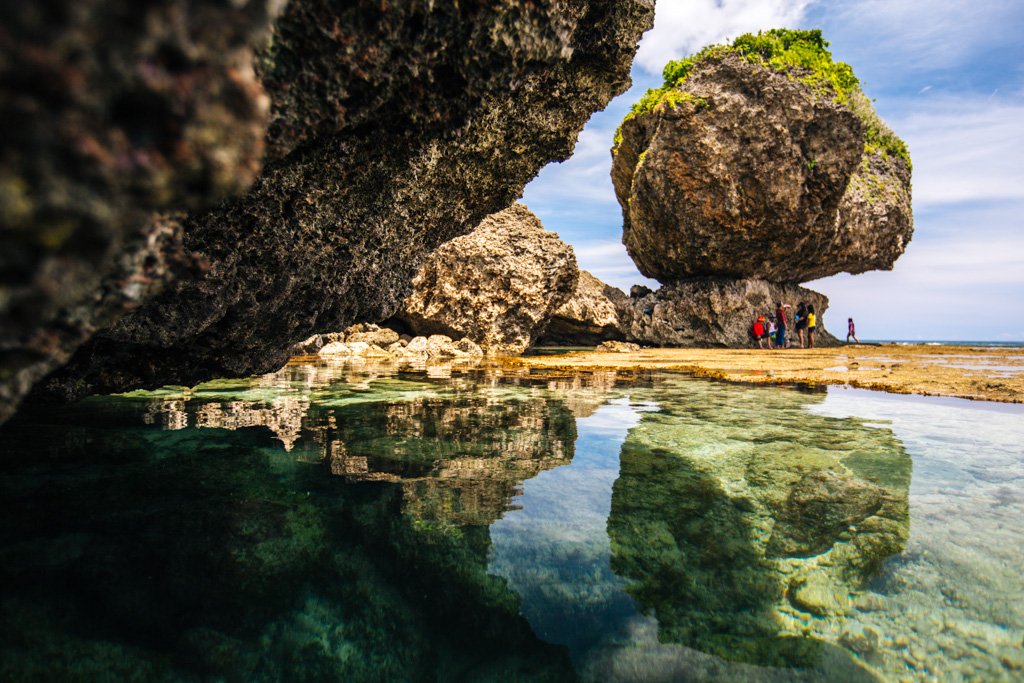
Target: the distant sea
pixel 939 342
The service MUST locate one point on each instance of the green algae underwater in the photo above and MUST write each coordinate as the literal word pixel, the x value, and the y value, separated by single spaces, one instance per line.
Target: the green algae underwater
pixel 370 523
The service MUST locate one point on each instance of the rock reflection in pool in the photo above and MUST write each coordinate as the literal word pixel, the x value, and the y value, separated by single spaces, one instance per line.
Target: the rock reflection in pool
pixel 134 553
pixel 740 519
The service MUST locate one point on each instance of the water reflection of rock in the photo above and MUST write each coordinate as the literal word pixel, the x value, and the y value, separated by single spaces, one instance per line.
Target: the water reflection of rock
pixel 458 461
pixel 747 524
pixel 458 456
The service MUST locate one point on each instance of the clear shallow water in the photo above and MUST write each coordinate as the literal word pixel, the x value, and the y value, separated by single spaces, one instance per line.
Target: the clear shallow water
pixel 344 523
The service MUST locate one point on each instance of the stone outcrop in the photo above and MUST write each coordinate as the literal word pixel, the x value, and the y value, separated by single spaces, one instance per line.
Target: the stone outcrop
pixel 112 111
pixel 713 312
pixel 754 174
pixel 704 312
pixel 589 317
pixel 498 285
pixel 392 129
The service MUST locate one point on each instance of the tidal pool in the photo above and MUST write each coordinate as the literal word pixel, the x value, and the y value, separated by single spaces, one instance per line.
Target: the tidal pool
pixel 365 523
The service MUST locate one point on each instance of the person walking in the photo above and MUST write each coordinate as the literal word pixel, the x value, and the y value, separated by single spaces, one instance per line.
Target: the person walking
pixel 780 326
pixel 851 331
pixel 772 331
pixel 812 322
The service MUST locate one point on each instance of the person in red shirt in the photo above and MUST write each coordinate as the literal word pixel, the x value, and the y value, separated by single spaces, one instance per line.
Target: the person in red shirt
pixel 759 332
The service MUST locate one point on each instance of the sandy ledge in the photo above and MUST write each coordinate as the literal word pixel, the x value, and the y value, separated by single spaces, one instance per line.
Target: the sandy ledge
pixel 987 374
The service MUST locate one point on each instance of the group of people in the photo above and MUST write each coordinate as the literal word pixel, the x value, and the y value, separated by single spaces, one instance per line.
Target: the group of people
pixel 772 328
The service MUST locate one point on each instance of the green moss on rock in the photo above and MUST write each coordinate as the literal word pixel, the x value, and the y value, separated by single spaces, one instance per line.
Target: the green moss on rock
pixel 802 55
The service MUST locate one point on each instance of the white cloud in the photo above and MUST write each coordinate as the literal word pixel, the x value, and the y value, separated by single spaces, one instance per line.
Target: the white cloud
pixel 938 34
pixel 964 149
pixel 682 27
pixel 609 262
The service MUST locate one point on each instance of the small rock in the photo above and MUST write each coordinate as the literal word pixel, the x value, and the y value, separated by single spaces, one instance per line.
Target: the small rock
pixel 469 347
pixel 618 347
pixel 336 349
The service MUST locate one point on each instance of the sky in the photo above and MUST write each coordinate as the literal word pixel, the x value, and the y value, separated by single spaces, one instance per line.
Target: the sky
pixel 946 75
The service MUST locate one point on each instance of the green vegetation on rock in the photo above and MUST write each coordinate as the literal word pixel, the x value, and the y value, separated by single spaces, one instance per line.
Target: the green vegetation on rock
pixel 803 56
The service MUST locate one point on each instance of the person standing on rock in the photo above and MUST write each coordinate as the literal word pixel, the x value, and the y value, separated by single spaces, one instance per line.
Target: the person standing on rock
pixel 800 321
pixel 812 322
pixel 851 331
pixel 780 326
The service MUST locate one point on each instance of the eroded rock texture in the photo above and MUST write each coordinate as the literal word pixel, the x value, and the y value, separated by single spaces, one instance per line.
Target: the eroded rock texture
pixel 589 317
pixel 111 111
pixel 394 128
pixel 713 312
pixel 498 285
pixel 753 174
pixel 704 312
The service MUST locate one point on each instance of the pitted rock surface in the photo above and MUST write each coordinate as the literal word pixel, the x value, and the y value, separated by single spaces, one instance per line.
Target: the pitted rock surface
pixel 589 317
pixel 714 312
pixel 394 128
pixel 749 176
pixel 498 285
pixel 110 111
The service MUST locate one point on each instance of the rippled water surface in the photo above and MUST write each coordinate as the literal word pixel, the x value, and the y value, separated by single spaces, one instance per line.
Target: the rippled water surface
pixel 333 522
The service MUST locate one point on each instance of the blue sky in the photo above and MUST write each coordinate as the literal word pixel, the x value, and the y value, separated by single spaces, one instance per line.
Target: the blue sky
pixel 947 75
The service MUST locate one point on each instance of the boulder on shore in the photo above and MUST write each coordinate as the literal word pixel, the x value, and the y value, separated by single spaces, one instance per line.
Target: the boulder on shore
pixel 498 285
pixel 391 129
pixel 740 168
pixel 589 317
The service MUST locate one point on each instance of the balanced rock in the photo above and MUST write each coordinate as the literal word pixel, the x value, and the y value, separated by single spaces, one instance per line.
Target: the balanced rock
pixel 712 312
pixel 392 129
pixel 498 285
pixel 589 317
pixel 740 168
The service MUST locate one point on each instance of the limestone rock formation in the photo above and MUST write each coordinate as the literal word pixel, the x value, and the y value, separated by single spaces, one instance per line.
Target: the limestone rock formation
pixel 713 312
pixel 589 317
pixel 113 110
pixel 737 168
pixel 393 128
pixel 498 285
pixel 617 347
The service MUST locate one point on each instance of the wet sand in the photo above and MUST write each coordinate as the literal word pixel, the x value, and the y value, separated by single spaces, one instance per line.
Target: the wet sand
pixel 988 374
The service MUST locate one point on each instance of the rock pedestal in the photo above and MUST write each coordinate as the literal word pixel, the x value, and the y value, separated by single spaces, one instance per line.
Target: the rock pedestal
pixel 757 162
pixel 714 312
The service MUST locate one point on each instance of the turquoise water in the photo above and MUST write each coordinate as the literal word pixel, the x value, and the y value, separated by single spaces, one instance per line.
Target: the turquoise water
pixel 333 522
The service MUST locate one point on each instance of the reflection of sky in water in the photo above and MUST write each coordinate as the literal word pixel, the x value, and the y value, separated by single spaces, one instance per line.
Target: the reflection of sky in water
pixel 555 550
pixel 950 605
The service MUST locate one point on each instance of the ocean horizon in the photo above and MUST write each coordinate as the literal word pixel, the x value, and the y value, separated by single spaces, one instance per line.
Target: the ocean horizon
pixel 947 342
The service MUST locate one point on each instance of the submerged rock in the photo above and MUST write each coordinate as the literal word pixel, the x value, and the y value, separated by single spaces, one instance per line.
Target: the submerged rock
pixel 499 285
pixel 392 129
pixel 741 168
